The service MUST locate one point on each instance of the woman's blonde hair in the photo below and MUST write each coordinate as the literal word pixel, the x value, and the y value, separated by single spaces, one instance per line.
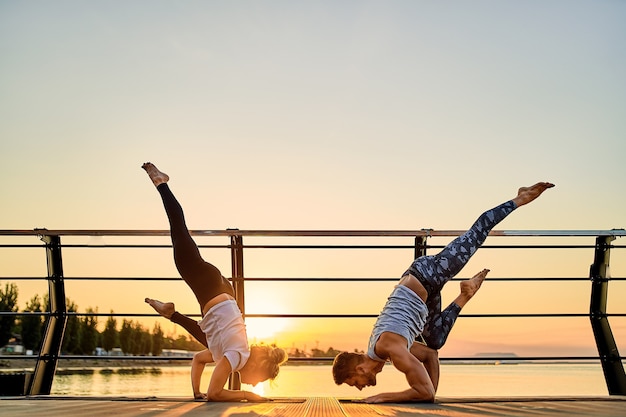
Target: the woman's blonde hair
pixel 268 359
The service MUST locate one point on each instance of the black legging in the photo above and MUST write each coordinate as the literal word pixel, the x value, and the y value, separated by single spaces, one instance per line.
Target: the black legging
pixel 191 326
pixel 204 279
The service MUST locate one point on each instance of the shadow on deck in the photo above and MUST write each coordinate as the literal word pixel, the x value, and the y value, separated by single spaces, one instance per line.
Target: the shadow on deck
pixel 54 406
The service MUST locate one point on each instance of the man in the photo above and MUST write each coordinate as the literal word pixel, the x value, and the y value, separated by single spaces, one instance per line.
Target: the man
pixel 405 316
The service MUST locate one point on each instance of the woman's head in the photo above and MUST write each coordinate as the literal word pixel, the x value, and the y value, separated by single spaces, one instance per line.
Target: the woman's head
pixel 264 363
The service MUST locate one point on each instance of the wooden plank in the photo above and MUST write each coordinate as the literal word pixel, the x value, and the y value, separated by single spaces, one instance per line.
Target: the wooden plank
pixel 51 406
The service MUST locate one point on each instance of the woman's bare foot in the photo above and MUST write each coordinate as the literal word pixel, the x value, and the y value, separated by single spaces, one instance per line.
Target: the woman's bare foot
pixel 155 175
pixel 164 309
pixel 470 287
pixel 527 194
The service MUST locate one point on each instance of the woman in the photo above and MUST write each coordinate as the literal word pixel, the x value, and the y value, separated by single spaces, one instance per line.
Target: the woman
pixel 222 321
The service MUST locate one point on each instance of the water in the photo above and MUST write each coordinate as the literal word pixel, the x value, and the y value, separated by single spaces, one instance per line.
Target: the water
pixel 510 380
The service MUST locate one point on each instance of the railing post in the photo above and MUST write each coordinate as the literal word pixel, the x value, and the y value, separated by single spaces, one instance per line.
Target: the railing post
pixel 236 252
pixel 420 246
pixel 236 256
pixel 50 349
pixel 607 348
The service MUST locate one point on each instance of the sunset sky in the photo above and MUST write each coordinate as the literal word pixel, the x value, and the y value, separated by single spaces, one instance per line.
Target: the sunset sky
pixel 350 115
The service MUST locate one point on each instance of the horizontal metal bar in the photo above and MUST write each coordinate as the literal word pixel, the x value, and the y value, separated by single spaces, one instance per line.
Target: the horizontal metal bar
pixel 25 313
pixel 312 359
pixel 318 233
pixel 312 316
pixel 107 357
pixel 477 359
pixel 98 278
pixel 306 316
pixel 507 315
pixel 305 279
pixel 24 246
pixel 167 246
pixel 396 279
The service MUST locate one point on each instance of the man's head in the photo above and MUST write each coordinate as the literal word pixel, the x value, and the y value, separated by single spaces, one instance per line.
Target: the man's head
pixel 349 368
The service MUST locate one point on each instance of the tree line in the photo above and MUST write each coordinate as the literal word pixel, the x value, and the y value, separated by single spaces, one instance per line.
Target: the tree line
pixel 81 332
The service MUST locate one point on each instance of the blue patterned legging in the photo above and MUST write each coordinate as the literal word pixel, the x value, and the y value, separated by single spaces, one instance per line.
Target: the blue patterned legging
pixel 435 270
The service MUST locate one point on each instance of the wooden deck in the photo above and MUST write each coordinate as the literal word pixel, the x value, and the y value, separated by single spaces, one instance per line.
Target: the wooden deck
pixel 55 406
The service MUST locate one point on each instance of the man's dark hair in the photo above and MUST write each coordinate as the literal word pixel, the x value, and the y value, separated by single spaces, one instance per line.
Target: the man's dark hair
pixel 344 366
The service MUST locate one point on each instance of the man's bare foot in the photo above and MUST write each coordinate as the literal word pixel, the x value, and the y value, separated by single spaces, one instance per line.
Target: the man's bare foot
pixel 470 287
pixel 164 309
pixel 527 194
pixel 155 175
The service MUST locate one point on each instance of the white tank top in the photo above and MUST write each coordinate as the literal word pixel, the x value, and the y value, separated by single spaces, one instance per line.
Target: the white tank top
pixel 226 334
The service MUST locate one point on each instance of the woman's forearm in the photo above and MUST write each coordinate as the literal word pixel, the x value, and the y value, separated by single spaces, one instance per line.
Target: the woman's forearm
pixel 232 396
pixel 198 363
pixel 196 376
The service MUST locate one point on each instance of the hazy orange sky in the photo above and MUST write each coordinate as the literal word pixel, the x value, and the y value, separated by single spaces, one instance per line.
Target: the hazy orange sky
pixel 396 115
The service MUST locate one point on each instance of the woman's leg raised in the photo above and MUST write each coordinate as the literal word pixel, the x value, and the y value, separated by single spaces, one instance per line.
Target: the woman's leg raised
pixel 204 279
pixel 168 310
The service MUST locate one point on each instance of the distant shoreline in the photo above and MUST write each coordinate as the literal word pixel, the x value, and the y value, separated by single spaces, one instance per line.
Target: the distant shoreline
pixel 12 365
pixel 75 365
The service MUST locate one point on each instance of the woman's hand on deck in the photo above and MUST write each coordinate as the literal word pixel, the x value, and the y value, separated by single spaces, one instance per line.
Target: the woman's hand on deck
pixel 199 396
pixel 254 398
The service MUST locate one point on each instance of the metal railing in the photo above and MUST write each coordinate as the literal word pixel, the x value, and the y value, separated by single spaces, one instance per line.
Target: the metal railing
pixel 56 317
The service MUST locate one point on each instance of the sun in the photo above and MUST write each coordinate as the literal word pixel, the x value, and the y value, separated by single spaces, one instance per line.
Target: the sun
pixel 264 330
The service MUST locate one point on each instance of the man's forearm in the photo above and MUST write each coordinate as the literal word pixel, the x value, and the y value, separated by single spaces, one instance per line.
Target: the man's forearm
pixel 401 396
pixel 431 363
pixel 430 359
